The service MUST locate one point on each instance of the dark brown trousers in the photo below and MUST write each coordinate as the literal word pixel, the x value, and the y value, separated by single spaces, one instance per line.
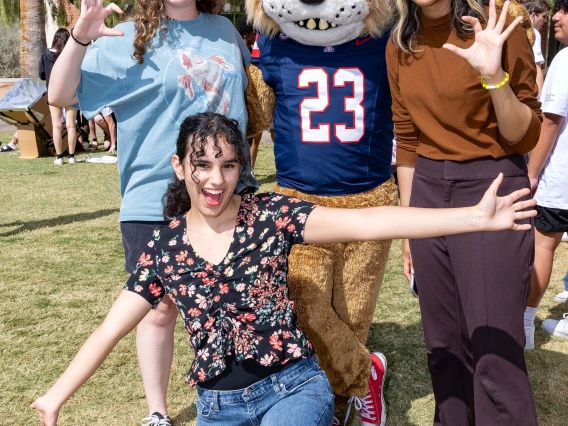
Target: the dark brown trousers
pixel 473 290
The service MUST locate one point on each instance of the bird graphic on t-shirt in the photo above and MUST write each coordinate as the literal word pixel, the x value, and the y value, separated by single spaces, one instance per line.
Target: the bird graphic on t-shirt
pixel 206 74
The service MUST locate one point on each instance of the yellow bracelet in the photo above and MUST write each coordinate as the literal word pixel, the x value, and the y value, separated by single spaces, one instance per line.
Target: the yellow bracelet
pixel 496 86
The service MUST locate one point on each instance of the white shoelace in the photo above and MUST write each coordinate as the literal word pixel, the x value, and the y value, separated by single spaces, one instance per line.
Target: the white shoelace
pixel 363 405
pixel 154 421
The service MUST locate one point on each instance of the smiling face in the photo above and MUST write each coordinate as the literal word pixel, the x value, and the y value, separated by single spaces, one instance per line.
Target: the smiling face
pixel 560 20
pixel 319 22
pixel 210 176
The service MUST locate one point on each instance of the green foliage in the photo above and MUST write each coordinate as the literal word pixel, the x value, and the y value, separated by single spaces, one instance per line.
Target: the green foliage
pixel 9 12
pixel 236 5
pixel 10 52
pixel 127 6
pixel 61 16
pixel 236 11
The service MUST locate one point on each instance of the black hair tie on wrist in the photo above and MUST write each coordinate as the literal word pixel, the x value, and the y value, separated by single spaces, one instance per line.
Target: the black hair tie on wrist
pixel 77 41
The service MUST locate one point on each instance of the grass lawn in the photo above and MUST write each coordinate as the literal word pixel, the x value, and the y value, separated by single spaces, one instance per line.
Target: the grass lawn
pixel 62 267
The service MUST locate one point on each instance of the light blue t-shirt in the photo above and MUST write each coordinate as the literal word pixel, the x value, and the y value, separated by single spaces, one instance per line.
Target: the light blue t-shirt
pixel 197 67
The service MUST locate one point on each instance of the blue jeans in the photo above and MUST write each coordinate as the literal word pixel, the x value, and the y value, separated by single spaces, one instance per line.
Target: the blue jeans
pixel 297 396
pixel 566 281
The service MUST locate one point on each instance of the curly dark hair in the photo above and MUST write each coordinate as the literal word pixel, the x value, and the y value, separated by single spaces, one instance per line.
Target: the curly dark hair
pixel 195 133
pixel 560 5
pixel 149 19
pixel 243 27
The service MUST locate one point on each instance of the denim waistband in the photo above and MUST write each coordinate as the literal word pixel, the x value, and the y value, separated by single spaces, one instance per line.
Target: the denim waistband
pixel 482 168
pixel 275 381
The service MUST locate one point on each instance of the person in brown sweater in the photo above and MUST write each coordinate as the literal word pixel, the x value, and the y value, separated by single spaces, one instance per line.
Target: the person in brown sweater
pixel 465 108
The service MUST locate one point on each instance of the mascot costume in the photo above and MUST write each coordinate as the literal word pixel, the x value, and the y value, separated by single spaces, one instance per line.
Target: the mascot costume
pixel 319 71
pixel 322 79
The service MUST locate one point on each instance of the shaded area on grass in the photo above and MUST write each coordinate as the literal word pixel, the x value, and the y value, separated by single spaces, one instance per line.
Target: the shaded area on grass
pixel 53 222
pixel 185 415
pixel 270 179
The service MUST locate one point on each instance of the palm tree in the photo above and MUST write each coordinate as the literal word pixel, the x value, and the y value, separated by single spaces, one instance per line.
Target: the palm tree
pixel 32 43
pixel 31 15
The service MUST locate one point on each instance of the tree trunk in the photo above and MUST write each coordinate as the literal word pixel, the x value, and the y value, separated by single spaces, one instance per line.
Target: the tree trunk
pixel 32 43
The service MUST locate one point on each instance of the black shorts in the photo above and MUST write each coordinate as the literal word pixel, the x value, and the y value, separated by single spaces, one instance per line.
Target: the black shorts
pixel 551 220
pixel 135 237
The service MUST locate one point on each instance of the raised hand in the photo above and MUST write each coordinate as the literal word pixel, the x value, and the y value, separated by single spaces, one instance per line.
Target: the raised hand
pixel 91 23
pixel 498 213
pixel 486 52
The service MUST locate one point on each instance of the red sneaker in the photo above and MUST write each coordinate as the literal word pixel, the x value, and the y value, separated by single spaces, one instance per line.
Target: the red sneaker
pixel 372 408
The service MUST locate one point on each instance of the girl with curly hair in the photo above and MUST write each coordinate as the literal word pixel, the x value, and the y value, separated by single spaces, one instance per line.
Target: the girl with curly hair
pixel 223 263
pixel 173 59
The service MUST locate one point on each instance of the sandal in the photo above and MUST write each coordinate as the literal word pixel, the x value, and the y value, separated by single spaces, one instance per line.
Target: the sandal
pixel 94 144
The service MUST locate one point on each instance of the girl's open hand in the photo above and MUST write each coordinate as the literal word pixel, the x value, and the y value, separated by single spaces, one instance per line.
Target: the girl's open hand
pixel 47 412
pixel 498 213
pixel 486 52
pixel 91 23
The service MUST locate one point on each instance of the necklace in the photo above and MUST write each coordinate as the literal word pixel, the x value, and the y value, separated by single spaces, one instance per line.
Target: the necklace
pixel 172 19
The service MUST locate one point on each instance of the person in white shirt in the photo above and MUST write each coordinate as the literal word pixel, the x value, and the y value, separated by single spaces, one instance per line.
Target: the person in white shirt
pixel 107 122
pixel 548 176
pixel 538 11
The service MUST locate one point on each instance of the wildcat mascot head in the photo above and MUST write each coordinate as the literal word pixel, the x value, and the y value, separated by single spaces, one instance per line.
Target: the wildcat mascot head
pixel 320 22
pixel 333 22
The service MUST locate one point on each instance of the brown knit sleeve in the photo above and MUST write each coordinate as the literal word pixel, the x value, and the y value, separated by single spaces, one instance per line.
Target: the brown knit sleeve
pixel 518 61
pixel 407 134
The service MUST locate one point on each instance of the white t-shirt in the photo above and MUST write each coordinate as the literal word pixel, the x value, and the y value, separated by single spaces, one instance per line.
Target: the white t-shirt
pixel 553 185
pixel 538 58
pixel 106 111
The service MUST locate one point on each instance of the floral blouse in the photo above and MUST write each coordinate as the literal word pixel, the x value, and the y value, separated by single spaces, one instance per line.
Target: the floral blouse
pixel 241 306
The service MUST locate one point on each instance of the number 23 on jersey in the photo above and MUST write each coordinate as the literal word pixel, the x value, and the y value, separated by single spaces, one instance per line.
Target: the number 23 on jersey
pixel 319 103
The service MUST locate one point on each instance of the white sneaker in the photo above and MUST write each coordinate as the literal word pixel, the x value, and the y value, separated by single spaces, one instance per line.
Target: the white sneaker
pixel 565 237
pixel 561 297
pixel 156 419
pixel 58 161
pixel 556 328
pixel 529 338
pixel 71 160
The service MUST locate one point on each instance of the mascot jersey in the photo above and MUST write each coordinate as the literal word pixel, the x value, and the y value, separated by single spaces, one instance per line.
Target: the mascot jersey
pixel 332 120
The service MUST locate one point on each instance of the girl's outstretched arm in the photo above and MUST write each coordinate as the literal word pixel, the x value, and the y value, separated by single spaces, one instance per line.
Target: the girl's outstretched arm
pixel 493 213
pixel 125 314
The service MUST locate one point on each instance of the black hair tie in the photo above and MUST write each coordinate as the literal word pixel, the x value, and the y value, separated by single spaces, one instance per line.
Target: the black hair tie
pixel 77 41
